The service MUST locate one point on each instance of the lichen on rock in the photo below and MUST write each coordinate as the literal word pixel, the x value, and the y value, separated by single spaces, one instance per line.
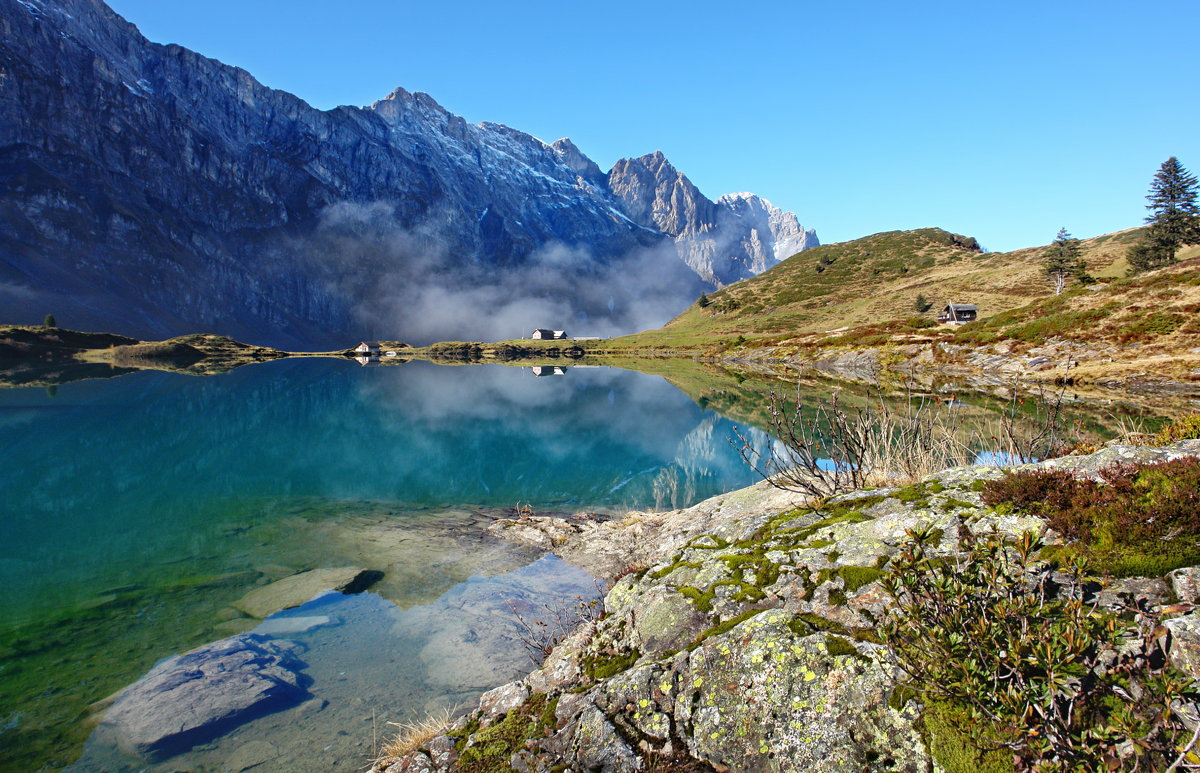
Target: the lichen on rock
pixel 744 638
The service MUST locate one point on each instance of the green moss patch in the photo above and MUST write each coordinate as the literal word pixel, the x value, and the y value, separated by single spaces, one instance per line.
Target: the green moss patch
pixel 855 577
pixel 836 646
pixel 807 623
pixel 599 667
pixel 723 627
pixel 678 564
pixel 493 747
pixel 954 749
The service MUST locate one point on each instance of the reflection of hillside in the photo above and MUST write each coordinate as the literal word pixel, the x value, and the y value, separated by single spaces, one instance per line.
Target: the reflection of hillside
pixel 746 398
pixel 703 457
pixel 43 373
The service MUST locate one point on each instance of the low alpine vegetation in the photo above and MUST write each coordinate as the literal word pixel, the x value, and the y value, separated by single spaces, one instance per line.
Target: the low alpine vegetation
pixel 1032 666
pixel 1142 520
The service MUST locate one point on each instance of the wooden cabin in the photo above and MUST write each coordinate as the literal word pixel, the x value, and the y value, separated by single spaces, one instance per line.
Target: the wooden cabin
pixel 369 348
pixel 544 334
pixel 958 314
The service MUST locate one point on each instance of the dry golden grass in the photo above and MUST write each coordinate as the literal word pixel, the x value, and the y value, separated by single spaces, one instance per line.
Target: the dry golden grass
pixel 411 736
pixel 869 281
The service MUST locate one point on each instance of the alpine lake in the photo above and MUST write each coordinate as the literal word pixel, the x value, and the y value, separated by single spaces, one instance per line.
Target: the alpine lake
pixel 135 513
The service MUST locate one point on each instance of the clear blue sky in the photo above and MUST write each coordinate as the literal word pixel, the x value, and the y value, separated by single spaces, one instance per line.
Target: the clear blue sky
pixel 1004 121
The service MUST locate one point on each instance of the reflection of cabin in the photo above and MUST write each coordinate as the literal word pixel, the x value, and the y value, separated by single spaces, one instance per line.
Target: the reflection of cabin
pixel 363 359
pixel 548 370
pixel 958 314
pixel 542 333
pixel 370 348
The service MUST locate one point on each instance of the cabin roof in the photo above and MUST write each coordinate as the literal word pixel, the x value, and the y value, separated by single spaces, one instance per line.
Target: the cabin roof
pixel 961 307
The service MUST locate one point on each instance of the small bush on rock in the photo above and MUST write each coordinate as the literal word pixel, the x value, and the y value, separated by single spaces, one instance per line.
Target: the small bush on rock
pixel 1032 667
pixel 1184 428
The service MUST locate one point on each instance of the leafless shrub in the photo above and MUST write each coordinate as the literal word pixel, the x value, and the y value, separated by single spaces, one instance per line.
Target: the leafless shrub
pixel 825 449
pixel 1033 427
pixel 541 630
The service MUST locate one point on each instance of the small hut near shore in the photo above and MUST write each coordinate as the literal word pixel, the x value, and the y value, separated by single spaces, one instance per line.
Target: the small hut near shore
pixel 369 348
pixel 958 314
pixel 542 333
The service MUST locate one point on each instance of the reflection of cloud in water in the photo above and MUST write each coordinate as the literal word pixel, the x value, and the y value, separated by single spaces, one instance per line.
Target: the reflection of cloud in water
pixel 571 424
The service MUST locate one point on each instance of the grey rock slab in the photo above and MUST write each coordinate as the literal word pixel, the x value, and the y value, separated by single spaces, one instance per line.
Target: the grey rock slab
pixel 503 699
pixel 250 755
pixel 1184 647
pixel 193 698
pixel 280 625
pixel 298 588
pixel 1186 584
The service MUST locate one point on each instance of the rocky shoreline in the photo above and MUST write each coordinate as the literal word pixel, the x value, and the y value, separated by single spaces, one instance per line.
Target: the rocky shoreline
pixel 1130 368
pixel 740 634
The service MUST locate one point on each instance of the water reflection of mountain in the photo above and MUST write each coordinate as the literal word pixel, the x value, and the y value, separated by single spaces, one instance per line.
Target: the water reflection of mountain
pixel 154 466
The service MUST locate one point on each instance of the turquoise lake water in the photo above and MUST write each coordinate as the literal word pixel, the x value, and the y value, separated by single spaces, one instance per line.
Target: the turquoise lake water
pixel 135 510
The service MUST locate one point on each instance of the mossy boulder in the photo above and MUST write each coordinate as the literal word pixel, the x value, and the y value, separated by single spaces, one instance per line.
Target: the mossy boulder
pixel 748 638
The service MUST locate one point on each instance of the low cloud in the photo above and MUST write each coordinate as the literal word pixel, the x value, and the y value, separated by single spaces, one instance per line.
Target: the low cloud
pixel 416 284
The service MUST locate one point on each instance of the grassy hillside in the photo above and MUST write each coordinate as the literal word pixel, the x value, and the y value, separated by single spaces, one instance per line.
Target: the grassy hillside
pixel 871 281
pixel 24 341
pixel 1158 310
pixel 35 355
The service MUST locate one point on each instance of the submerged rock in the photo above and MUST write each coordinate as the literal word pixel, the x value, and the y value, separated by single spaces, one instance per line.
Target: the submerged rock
pixel 193 698
pixel 280 625
pixel 299 588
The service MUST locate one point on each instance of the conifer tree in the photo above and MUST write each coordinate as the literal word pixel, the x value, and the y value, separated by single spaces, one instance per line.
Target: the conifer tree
pixel 1174 217
pixel 49 320
pixel 922 303
pixel 1064 260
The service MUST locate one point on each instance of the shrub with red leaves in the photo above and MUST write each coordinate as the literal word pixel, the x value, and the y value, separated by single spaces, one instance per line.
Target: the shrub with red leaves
pixel 1142 510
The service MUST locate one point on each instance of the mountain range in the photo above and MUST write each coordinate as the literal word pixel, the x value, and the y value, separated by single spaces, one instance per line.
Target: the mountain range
pixel 150 190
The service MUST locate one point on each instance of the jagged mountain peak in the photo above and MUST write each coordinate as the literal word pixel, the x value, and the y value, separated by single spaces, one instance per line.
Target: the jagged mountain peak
pixel 742 196
pixel 739 235
pixel 575 159
pixel 656 163
pixel 402 94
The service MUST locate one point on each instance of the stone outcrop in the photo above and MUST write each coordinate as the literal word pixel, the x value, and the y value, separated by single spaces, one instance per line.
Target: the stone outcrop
pixel 192 698
pixel 740 634
pixel 736 236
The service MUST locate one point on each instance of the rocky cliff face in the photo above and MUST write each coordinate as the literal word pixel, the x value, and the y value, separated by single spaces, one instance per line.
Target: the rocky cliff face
pixel 150 189
pixel 737 236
